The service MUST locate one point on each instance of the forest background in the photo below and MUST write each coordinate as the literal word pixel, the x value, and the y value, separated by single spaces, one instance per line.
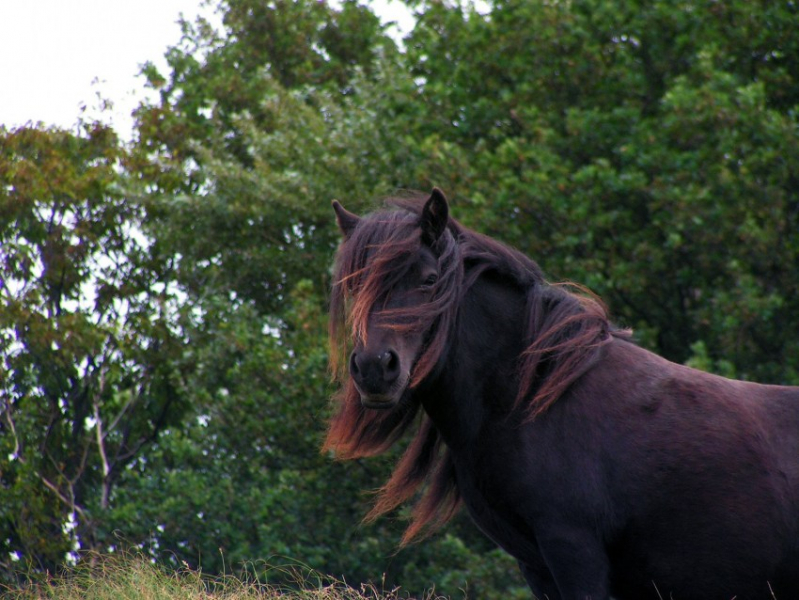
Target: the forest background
pixel 163 348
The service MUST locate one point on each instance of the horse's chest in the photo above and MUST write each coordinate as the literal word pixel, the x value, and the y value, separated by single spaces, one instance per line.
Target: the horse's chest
pixel 497 505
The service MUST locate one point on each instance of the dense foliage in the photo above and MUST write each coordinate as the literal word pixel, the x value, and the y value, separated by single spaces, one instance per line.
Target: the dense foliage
pixel 163 380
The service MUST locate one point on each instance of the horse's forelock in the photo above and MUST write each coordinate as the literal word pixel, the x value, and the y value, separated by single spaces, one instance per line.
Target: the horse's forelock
pixel 383 255
pixel 356 277
pixel 371 263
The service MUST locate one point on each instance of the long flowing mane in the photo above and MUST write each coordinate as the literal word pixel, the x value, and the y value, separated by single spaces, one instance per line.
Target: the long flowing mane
pixel 565 326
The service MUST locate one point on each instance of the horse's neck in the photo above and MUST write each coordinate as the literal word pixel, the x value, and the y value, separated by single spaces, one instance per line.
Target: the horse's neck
pixel 478 380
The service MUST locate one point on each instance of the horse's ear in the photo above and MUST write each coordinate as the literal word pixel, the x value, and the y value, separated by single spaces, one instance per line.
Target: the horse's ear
pixel 345 219
pixel 435 215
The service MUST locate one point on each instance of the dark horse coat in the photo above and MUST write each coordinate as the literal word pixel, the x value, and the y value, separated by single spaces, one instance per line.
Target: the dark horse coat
pixel 604 469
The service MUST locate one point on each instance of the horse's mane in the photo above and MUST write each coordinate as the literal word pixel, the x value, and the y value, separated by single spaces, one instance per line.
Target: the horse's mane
pixel 565 327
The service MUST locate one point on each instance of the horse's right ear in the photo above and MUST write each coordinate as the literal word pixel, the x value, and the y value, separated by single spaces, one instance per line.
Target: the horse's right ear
pixel 345 219
pixel 435 215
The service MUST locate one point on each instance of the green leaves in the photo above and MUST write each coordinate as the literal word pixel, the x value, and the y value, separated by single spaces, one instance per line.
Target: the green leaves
pixel 87 377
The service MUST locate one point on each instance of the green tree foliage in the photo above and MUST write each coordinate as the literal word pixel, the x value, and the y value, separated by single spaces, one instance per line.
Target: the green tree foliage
pixel 170 297
pixel 87 378
pixel 648 150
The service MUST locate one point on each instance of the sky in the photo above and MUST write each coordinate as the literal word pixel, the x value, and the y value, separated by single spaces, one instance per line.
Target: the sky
pixel 57 57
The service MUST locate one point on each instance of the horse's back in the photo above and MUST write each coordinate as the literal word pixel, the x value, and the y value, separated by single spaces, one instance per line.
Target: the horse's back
pixel 700 419
pixel 703 477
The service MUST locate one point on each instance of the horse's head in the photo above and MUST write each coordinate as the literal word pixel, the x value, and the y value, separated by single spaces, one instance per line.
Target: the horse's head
pixel 390 277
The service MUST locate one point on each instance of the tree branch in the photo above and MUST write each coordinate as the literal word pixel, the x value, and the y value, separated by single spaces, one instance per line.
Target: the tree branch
pixel 10 421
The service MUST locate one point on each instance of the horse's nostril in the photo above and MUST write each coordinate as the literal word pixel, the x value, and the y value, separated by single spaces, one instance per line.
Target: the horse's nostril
pixel 354 370
pixel 391 363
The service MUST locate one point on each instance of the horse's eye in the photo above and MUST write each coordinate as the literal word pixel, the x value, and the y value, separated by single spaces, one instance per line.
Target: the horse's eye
pixel 430 281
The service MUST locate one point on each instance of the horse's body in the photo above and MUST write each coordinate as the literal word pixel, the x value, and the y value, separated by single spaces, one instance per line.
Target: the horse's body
pixel 639 479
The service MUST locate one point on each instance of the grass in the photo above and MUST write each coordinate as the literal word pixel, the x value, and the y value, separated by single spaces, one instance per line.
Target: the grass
pixel 136 578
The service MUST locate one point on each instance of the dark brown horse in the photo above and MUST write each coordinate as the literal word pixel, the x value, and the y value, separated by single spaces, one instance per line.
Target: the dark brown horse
pixel 601 467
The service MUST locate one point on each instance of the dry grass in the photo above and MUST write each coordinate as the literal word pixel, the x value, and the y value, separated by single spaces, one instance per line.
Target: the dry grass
pixel 135 578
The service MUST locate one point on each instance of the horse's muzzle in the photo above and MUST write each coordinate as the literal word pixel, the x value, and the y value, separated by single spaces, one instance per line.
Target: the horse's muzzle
pixel 376 375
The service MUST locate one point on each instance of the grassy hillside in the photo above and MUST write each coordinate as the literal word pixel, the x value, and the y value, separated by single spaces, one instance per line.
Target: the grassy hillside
pixel 139 579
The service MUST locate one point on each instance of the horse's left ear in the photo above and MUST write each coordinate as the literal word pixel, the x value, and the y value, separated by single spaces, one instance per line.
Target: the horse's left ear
pixel 435 215
pixel 345 219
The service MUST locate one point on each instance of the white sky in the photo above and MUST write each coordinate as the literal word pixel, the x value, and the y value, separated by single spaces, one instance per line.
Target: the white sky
pixel 56 56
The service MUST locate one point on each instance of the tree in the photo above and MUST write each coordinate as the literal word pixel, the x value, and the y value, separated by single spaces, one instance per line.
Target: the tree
pixel 88 370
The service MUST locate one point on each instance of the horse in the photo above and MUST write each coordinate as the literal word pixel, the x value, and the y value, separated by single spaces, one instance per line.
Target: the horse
pixel 604 469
